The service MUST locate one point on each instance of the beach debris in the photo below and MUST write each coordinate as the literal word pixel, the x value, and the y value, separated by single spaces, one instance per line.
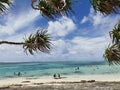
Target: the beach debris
pixel 91 81
pixel 25 82
pixel 38 83
pixel 4 87
pixel 16 85
pixel 83 81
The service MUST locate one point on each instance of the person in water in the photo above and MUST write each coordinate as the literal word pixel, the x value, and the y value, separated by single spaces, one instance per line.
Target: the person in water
pixel 19 74
pixel 54 76
pixel 59 76
pixel 14 73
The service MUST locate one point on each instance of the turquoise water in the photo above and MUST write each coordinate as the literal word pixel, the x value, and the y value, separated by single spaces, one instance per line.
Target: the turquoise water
pixel 34 69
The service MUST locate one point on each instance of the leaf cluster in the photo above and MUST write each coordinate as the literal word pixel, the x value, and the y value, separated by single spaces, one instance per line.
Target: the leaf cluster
pixel 40 41
pixel 3 4
pixel 106 6
pixel 54 8
pixel 112 53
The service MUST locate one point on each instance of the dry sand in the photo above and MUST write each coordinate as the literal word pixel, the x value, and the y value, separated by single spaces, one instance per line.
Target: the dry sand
pixel 76 82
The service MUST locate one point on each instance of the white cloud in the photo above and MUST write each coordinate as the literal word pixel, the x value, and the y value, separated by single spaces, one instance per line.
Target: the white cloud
pixel 16 22
pixel 85 19
pixel 79 48
pixel 13 53
pixel 89 45
pixel 100 24
pixel 62 27
pixel 99 19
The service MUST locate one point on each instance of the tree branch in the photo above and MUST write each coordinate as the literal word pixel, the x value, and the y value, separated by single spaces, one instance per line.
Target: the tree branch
pixel 20 43
pixel 13 43
pixel 32 4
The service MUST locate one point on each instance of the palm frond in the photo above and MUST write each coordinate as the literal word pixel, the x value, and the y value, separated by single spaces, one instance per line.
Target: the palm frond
pixel 112 54
pixel 3 4
pixel 8 2
pixel 106 6
pixel 54 8
pixel 68 7
pixel 45 9
pixel 115 34
pixel 40 41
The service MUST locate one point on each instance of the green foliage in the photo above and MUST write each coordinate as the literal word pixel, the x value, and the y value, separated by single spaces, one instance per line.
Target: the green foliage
pixel 3 4
pixel 54 8
pixel 106 6
pixel 40 41
pixel 61 7
pixel 115 34
pixel 45 9
pixel 112 53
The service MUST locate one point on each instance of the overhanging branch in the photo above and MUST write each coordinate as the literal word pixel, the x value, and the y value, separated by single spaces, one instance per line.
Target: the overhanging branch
pixel 13 43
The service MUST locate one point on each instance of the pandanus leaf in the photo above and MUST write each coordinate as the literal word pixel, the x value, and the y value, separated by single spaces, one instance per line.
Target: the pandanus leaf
pixel 3 4
pixel 54 8
pixel 115 34
pixel 40 41
pixel 106 6
pixel 112 53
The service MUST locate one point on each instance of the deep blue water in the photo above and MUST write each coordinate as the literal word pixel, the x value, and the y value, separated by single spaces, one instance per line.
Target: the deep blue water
pixel 34 69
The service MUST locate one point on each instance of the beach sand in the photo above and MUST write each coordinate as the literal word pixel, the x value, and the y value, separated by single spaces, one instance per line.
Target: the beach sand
pixel 71 82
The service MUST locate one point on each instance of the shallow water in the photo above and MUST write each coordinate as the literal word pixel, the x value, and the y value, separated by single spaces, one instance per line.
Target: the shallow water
pixel 34 69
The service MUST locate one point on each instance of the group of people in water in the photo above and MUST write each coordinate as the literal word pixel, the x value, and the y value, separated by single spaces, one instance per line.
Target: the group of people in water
pixel 57 76
pixel 17 74
pixel 77 68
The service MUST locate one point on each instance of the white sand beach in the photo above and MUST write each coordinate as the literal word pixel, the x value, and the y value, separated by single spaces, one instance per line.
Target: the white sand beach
pixel 50 79
pixel 71 82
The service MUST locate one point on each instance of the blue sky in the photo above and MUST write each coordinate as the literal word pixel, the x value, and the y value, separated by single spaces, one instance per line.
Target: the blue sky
pixel 82 36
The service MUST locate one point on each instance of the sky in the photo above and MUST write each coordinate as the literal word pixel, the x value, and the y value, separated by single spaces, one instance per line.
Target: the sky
pixel 82 36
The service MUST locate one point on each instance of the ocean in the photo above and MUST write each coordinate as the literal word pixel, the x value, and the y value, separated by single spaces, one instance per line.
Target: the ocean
pixel 37 69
